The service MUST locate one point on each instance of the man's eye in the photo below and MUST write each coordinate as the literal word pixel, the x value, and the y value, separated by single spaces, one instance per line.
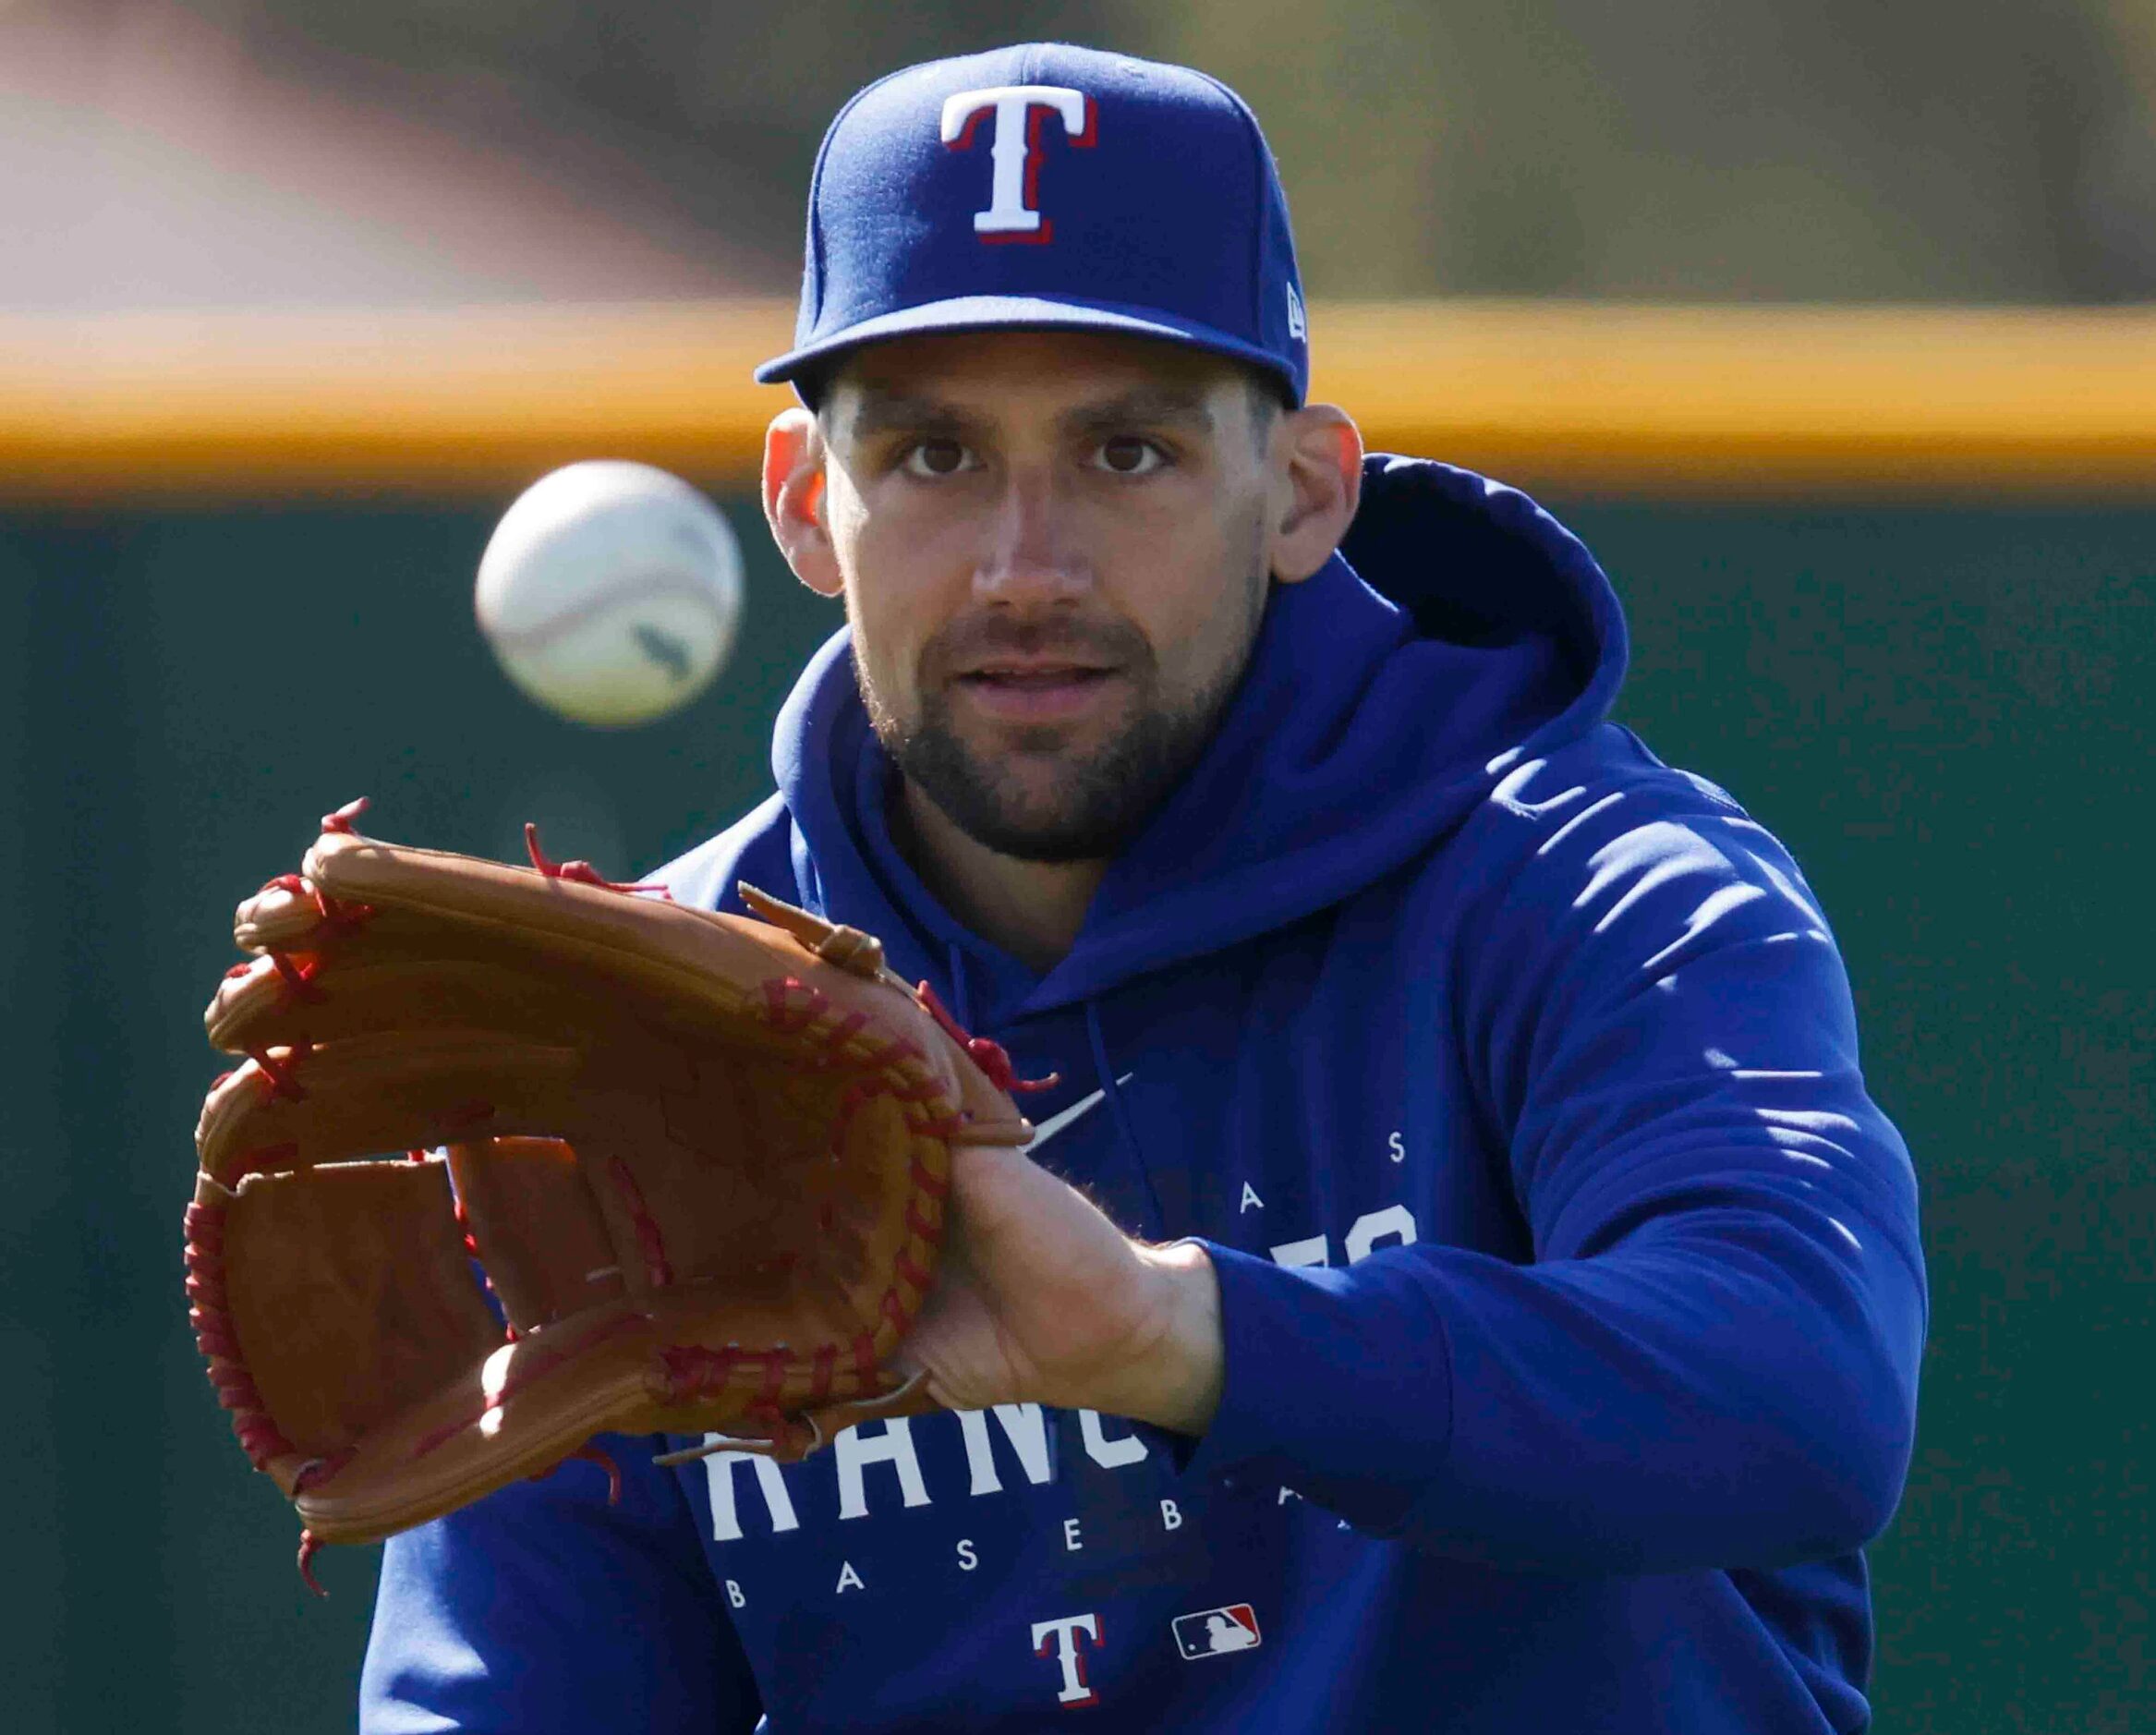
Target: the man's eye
pixel 1128 454
pixel 938 457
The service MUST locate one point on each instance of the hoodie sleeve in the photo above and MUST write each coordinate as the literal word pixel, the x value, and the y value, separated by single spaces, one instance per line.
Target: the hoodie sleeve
pixel 1711 1359
pixel 541 1609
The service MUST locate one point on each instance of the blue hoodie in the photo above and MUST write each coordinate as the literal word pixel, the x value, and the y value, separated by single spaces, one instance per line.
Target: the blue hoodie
pixel 1570 1279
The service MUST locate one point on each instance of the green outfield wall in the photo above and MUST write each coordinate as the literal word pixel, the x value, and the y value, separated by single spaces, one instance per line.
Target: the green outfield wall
pixel 1946 713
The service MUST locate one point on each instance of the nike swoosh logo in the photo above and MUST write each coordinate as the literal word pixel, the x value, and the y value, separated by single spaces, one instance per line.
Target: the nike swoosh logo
pixel 1055 1123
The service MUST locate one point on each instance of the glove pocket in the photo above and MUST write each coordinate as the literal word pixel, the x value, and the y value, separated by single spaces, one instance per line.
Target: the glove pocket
pixel 533 1224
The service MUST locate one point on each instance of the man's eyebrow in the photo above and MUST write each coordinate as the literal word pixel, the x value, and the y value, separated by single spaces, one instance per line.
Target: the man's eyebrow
pixel 897 412
pixel 1146 407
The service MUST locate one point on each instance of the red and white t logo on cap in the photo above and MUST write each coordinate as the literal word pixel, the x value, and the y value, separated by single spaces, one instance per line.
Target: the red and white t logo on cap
pixel 1018 113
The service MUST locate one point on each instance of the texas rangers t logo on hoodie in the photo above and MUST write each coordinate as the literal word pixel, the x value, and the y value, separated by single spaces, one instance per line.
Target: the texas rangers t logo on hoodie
pixel 1017 114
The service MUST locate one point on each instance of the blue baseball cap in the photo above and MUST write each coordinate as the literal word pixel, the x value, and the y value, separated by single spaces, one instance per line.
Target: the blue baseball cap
pixel 1049 188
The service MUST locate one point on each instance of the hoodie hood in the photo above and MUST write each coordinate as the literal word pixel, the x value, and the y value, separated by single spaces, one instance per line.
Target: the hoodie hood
pixel 1458 624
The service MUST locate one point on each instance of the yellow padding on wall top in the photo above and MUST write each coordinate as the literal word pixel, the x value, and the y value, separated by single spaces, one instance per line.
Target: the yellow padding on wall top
pixel 1566 397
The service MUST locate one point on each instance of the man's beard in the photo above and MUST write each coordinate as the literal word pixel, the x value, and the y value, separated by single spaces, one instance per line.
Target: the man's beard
pixel 1102 800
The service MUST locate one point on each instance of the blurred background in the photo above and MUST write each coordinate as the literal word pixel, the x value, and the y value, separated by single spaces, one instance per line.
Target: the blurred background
pixel 156 152
pixel 1825 324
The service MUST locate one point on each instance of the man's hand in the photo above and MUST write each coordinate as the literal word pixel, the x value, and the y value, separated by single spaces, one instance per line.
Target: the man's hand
pixel 1041 1299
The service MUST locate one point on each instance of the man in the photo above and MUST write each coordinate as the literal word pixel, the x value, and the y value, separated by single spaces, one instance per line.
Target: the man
pixel 1460 1281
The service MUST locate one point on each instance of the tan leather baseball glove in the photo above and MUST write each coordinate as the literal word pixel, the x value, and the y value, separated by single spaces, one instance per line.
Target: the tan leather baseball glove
pixel 699 1161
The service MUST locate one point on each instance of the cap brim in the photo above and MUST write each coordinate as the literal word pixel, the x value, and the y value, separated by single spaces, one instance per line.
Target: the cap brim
pixel 1016 313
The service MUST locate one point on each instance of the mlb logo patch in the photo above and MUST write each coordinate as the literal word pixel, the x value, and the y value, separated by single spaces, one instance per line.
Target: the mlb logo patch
pixel 1216 1631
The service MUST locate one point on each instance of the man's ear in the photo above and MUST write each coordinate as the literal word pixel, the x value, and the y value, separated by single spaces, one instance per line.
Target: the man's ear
pixel 793 499
pixel 1318 457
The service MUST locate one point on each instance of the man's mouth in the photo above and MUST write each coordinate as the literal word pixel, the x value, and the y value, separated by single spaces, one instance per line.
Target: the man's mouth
pixel 1035 689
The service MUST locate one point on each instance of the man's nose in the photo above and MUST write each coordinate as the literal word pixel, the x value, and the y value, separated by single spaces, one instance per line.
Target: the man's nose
pixel 1030 557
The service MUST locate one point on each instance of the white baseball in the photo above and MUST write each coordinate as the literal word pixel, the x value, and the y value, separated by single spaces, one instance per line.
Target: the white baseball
pixel 611 592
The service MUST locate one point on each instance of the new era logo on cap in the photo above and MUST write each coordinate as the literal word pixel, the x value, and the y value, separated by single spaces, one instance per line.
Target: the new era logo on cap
pixel 1217 1632
pixel 1145 194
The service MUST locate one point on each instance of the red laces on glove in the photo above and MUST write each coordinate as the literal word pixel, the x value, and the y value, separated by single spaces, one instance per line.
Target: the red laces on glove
pixel 989 1056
